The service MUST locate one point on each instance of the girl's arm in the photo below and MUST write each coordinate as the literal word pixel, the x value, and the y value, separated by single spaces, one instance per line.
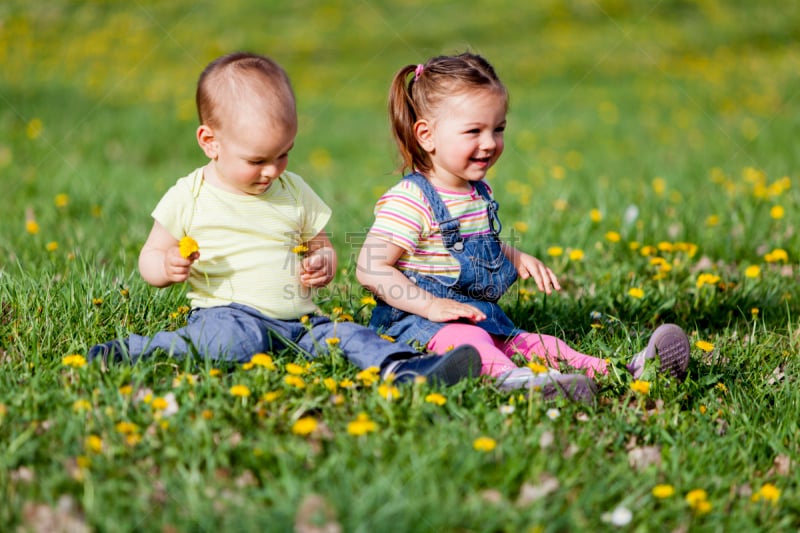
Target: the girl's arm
pixel 319 265
pixel 377 272
pixel 528 266
pixel 160 261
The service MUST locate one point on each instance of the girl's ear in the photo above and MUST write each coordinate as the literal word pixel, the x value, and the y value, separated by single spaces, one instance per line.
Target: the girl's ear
pixel 424 134
pixel 207 141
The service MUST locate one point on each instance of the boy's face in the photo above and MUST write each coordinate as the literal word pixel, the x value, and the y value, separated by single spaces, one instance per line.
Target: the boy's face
pixel 248 152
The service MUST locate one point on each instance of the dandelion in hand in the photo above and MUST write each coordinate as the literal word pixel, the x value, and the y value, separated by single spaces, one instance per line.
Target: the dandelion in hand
pixel 188 246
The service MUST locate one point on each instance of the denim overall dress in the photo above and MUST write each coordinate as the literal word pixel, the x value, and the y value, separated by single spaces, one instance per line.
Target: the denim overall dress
pixel 486 274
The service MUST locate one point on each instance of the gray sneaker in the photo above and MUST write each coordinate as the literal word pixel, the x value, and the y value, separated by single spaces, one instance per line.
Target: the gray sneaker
pixel 575 387
pixel 670 343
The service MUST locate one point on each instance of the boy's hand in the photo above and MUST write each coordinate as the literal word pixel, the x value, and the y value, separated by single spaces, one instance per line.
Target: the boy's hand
pixel 177 267
pixel 445 310
pixel 528 266
pixel 317 268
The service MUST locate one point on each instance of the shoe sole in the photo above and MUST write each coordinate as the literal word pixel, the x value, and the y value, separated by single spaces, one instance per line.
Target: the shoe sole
pixel 452 367
pixel 670 343
pixel 574 388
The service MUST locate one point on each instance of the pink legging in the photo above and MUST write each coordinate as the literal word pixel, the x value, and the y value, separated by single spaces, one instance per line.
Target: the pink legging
pixel 496 352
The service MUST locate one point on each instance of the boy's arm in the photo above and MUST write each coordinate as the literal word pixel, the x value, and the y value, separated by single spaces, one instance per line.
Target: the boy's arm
pixel 528 266
pixel 319 264
pixel 160 261
pixel 377 272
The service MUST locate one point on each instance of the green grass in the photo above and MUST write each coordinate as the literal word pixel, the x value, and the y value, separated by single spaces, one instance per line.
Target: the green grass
pixel 684 113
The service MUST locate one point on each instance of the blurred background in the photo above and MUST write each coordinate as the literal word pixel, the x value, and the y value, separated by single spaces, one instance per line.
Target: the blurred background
pixel 686 109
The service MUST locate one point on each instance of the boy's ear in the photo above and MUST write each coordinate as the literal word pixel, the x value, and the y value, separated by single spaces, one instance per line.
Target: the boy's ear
pixel 424 135
pixel 207 140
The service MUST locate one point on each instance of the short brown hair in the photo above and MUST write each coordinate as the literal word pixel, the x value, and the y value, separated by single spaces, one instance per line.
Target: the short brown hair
pixel 230 80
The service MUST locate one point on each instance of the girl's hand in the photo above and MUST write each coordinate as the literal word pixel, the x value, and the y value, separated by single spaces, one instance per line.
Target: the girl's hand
pixel 317 269
pixel 528 266
pixel 177 267
pixel 445 310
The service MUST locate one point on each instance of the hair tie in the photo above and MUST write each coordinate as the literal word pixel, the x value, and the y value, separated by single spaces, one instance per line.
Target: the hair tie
pixel 418 71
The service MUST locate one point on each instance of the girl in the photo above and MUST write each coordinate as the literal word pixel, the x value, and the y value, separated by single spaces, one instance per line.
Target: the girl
pixel 433 256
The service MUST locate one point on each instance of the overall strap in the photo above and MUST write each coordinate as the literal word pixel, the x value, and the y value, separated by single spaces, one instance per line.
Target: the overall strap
pixel 448 226
pixel 491 207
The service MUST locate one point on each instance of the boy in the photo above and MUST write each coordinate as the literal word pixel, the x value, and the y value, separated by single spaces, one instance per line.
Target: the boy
pixel 256 244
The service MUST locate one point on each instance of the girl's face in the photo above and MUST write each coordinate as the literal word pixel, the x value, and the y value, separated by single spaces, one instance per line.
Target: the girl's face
pixel 464 137
pixel 247 154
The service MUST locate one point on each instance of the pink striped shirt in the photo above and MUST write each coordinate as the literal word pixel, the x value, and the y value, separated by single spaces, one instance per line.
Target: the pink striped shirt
pixel 404 217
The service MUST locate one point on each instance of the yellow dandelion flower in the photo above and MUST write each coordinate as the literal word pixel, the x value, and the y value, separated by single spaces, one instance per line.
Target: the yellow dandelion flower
pixel 754 311
pixel 768 492
pixel 636 292
pixel 248 365
pixel 436 398
pixel 557 172
pixel 648 250
pixel 704 345
pixel 215 372
pixel 93 444
pixel 263 360
pixel 271 396
pixel 159 403
pixel 74 360
pixel 641 387
pixel 207 414
pixel 665 246
pixel 753 271
pixel 240 390
pixel 304 426
pixel 187 246
pixel 520 226
pixel 659 186
pixel 361 425
pixel 703 409
pixel 126 390
pixel 81 405
pixel 560 205
pixel 295 369
pixel 126 428
pixel 61 200
pixel 555 251
pixel 304 319
pixel 613 236
pixel 777 255
pixel 368 301
pixel 34 128
pixel 721 387
pixel 300 249
pixel 387 338
pixel 695 496
pixel 663 491
pixel 537 368
pixel 32 227
pixel 595 215
pixel 347 383
pixel 369 375
pixel 777 212
pixel 712 220
pixel 484 444
pixel 702 507
pixel 294 381
pixel 576 255
pixel 332 341
pixel 389 392
pixel 133 439
pixel 330 384
pixel 51 246
pixel 97 301
pixel 706 279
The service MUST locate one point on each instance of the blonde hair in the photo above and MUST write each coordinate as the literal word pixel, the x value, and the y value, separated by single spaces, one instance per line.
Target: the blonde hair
pixel 242 78
pixel 417 97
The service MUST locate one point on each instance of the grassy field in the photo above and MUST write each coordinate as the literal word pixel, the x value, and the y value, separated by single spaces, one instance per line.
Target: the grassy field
pixel 651 160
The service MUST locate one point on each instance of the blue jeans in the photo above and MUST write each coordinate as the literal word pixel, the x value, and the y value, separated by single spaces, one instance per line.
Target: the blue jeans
pixel 235 332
